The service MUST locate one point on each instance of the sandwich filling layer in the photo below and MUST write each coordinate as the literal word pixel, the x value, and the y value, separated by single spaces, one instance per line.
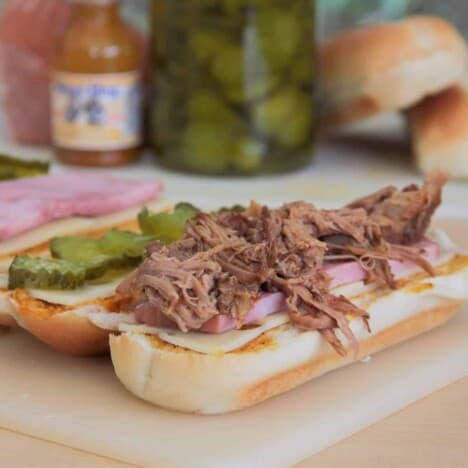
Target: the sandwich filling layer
pixel 38 237
pixel 416 293
pixel 227 261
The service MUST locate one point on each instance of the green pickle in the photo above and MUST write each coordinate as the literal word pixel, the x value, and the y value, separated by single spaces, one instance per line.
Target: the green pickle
pixel 167 227
pixel 76 260
pixel 234 82
pixel 45 273
pixel 116 250
pixel 15 168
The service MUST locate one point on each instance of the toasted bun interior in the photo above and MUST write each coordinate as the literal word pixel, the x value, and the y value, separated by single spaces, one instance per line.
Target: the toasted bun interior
pixel 387 67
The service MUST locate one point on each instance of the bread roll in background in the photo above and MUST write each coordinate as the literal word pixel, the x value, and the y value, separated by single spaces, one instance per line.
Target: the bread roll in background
pixel 388 67
pixel 439 132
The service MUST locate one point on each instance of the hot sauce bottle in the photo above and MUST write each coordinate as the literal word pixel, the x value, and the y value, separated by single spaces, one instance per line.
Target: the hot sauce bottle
pixel 96 89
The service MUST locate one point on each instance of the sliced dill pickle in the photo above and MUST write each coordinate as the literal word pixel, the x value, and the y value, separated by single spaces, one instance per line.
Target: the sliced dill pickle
pixel 228 69
pixel 207 147
pixel 45 273
pixel 279 33
pixel 115 250
pixel 167 227
pixel 249 155
pixel 206 44
pixel 14 168
pixel 83 251
pixel 127 244
pixel 236 208
pixel 205 106
pixel 297 129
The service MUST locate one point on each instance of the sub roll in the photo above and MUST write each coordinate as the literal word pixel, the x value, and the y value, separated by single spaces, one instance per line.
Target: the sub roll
pixel 253 302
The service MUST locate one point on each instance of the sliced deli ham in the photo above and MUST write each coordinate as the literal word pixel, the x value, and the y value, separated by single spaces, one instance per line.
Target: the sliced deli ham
pixel 31 202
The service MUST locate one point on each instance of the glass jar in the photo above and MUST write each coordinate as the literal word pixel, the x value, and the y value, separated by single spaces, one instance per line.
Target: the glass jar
pixel 234 85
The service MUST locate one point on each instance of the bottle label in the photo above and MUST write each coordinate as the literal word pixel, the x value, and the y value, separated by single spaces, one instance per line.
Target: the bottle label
pixel 96 111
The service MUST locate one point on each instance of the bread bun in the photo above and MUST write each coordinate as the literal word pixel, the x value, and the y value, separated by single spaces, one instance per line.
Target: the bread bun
pixel 439 132
pixel 387 67
pixel 282 358
pixel 67 330
pixel 183 380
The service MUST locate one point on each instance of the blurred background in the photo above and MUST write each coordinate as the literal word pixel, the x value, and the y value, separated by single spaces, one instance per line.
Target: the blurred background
pixel 28 32
pixel 333 16
pixel 337 15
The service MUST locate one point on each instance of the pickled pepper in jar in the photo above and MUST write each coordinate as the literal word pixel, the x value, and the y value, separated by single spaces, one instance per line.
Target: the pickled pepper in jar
pixel 96 88
pixel 234 85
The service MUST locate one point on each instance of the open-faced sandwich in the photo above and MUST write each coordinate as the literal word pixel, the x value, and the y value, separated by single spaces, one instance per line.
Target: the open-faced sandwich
pixel 252 302
pixel 66 241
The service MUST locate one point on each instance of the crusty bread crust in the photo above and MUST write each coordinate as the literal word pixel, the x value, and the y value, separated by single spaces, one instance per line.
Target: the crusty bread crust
pixel 184 380
pixel 388 67
pixel 404 330
pixel 62 328
pixel 439 130
pixel 69 334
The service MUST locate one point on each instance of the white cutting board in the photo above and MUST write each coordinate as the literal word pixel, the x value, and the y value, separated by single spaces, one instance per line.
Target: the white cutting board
pixel 79 403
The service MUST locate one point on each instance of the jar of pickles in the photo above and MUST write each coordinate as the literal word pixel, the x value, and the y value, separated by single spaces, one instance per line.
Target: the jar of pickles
pixel 233 85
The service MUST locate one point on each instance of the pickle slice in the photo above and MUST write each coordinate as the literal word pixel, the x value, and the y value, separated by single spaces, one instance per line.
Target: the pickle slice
pixel 167 227
pixel 14 168
pixel 81 251
pixel 115 250
pixel 125 243
pixel 45 273
pixel 237 208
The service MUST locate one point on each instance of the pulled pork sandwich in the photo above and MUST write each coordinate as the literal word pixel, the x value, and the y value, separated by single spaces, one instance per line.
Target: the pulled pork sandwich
pixel 250 303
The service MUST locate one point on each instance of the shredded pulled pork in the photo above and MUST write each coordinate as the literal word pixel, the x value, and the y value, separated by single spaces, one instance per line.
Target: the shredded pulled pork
pixel 226 261
pixel 405 215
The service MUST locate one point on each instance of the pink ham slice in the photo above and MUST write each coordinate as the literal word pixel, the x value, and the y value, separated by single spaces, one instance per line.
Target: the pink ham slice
pixel 341 274
pixel 31 202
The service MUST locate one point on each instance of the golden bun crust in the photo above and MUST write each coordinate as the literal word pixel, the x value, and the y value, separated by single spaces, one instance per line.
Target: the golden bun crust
pixel 387 67
pixel 402 331
pixel 69 333
pixel 183 380
pixel 439 131
pixel 62 328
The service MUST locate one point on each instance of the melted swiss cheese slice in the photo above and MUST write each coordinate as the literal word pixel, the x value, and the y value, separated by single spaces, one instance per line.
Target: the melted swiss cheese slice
pixel 208 343
pixel 77 296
